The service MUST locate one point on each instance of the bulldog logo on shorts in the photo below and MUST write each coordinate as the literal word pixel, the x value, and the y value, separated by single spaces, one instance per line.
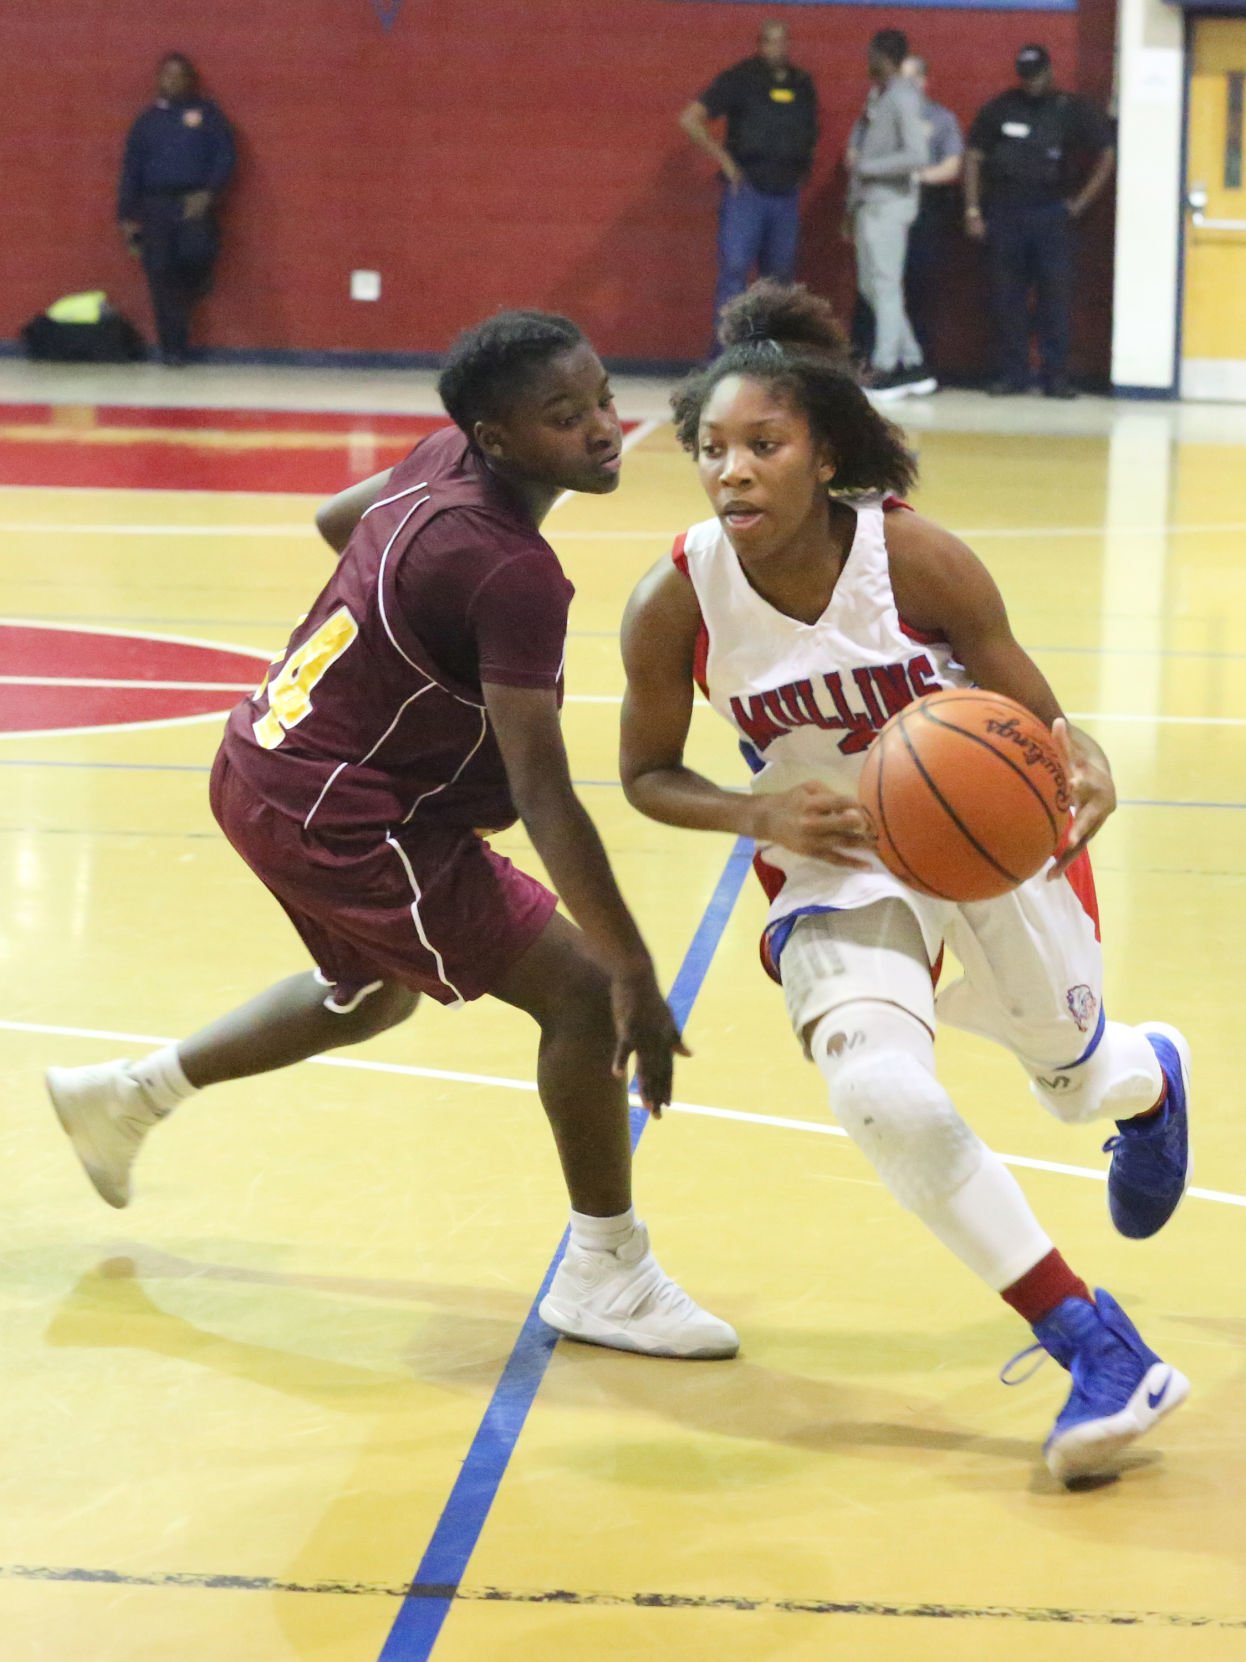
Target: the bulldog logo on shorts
pixel 1083 1005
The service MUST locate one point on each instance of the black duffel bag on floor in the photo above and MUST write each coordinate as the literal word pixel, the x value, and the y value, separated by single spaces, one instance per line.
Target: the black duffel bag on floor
pixel 111 340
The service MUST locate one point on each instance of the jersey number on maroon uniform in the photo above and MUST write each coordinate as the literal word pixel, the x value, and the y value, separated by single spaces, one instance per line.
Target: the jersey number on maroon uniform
pixel 289 693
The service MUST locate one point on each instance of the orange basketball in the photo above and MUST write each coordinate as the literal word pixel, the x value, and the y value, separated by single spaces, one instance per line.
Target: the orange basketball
pixel 967 793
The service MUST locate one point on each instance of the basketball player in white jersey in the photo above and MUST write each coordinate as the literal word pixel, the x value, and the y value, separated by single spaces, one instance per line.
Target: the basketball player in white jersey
pixel 808 609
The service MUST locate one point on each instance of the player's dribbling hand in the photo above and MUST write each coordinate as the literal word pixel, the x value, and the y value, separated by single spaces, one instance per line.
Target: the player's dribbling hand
pixel 811 819
pixel 1090 786
pixel 644 1027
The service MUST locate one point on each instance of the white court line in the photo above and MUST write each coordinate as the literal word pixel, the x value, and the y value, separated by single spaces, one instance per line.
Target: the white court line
pixel 111 726
pixel 100 681
pixel 500 1082
pixel 570 698
pixel 639 432
pixel 1074 715
pixel 1103 530
pixel 1162 721
pixel 131 635
pixel 96 530
pixel 977 533
pixel 260 657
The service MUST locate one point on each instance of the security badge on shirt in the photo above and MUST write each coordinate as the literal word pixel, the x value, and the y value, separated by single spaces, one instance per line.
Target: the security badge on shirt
pixel 783 95
pixel 1023 130
pixel 191 117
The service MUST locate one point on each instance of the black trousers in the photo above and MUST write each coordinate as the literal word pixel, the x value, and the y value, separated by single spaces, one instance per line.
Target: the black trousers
pixel 1031 249
pixel 178 256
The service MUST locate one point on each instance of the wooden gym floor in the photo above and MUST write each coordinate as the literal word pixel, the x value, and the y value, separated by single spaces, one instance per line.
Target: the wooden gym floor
pixel 301 1373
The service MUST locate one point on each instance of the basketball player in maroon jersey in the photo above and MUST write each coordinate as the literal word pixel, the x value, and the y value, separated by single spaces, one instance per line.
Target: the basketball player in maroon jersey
pixel 416 708
pixel 808 592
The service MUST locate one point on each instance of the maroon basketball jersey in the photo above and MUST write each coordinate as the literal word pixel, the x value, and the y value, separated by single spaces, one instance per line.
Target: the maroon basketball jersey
pixel 375 712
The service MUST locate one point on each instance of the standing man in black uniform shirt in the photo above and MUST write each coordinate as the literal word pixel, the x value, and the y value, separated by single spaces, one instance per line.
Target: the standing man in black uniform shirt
pixel 771 110
pixel 1022 148
pixel 178 159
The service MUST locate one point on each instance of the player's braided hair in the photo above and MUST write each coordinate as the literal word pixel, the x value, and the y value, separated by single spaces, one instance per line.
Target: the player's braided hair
pixel 487 366
pixel 785 336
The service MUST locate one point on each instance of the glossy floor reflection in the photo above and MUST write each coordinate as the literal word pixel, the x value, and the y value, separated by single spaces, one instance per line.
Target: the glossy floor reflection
pixel 236 1412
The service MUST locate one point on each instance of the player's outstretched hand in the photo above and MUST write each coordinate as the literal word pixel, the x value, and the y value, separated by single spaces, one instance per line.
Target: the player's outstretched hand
pixel 644 1027
pixel 811 819
pixel 1090 786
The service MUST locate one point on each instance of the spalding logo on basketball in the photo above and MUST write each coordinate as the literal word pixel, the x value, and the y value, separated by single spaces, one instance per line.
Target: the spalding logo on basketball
pixel 57 679
pixel 968 794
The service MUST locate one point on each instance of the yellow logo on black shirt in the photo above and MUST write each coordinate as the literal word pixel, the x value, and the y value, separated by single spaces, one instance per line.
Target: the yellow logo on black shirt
pixel 783 95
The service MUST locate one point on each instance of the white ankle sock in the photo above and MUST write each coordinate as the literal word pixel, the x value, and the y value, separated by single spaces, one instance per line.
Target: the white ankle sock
pixel 601 1234
pixel 161 1080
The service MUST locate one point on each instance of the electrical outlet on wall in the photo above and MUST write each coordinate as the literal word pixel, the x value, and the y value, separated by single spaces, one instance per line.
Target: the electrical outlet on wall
pixel 365 285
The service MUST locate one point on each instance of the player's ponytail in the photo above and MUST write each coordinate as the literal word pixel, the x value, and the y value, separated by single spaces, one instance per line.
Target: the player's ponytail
pixel 787 313
pixel 787 337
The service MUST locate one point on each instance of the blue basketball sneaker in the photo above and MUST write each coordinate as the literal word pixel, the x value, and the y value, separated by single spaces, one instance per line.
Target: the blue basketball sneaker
pixel 1151 1158
pixel 1120 1387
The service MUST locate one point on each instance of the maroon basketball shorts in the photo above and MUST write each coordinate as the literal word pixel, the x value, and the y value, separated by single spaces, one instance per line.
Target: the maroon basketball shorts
pixel 435 909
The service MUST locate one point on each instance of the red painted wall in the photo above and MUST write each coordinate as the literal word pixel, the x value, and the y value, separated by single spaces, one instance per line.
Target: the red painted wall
pixel 479 153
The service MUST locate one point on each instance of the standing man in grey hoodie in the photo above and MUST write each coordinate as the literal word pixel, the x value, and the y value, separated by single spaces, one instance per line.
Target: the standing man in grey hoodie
pixel 890 149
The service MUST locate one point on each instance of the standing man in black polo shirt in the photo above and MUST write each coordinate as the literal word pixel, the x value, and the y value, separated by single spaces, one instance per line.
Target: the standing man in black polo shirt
pixel 1024 147
pixel 771 110
pixel 178 159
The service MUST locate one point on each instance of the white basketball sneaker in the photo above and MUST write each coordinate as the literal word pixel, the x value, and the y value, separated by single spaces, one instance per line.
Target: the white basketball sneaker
pixel 625 1301
pixel 104 1114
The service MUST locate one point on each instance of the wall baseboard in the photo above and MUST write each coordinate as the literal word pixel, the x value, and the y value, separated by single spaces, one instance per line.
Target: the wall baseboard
pixel 281 357
pixel 1153 394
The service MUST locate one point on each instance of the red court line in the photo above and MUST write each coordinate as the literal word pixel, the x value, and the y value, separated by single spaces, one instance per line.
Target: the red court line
pixel 163 467
pixel 34 709
pixel 26 650
pixel 79 416
pixel 367 444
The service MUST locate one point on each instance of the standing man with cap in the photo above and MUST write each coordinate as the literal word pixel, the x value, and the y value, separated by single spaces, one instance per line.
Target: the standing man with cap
pixel 771 111
pixel 1023 148
pixel 178 158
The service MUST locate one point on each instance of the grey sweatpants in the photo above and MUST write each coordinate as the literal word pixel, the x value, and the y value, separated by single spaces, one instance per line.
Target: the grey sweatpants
pixel 881 230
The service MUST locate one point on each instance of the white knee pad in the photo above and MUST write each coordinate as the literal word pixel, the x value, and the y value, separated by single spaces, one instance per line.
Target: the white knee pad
pixel 1122 1077
pixel 835 959
pixel 878 1063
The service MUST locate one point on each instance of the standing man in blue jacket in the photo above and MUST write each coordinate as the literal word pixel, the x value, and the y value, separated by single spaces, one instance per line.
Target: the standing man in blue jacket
pixel 178 159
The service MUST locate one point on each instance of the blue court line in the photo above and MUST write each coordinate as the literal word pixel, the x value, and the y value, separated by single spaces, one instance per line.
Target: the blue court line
pixel 444 1564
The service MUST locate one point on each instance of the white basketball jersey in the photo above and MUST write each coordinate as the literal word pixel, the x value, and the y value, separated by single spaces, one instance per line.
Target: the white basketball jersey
pixel 807 699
